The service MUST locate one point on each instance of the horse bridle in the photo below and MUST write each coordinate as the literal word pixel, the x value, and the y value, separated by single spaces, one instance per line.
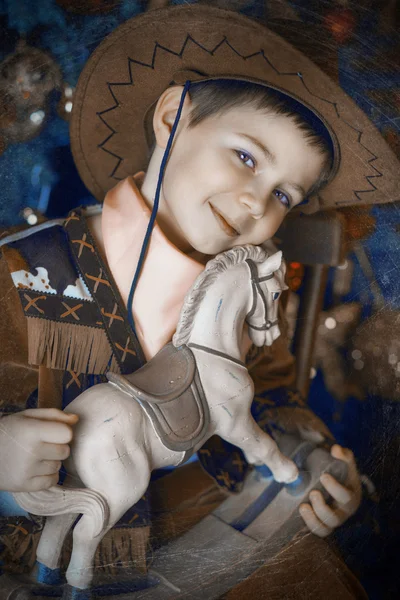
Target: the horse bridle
pixel 257 291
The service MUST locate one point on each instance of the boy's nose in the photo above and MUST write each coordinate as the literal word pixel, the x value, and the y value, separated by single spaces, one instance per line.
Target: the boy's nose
pixel 253 203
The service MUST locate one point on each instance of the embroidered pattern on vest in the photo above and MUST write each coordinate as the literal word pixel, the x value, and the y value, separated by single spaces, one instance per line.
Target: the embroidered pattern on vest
pixel 112 312
pixel 64 330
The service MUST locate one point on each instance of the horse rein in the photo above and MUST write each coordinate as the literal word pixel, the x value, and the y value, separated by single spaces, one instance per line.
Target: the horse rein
pixel 216 353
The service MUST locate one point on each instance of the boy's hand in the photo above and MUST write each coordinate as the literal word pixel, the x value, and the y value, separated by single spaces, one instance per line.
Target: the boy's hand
pixel 322 519
pixel 32 445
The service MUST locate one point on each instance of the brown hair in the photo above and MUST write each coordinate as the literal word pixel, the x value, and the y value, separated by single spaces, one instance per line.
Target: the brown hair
pixel 211 98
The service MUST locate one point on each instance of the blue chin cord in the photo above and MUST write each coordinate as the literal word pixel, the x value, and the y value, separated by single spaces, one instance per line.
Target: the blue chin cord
pixel 152 219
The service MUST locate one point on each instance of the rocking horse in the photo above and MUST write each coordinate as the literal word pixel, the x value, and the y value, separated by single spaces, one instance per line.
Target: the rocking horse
pixel 195 387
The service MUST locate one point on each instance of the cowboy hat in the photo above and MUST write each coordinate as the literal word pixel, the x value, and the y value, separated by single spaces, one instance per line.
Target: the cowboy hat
pixel 130 69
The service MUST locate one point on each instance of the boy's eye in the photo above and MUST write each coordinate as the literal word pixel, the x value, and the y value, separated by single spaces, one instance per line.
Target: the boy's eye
pixel 283 198
pixel 246 159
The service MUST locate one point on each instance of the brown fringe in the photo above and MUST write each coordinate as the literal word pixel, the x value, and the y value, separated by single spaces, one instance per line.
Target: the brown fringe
pixel 78 348
pixel 18 546
pixel 120 547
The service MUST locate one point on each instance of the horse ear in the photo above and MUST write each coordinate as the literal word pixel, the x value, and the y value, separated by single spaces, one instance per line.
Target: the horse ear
pixel 270 265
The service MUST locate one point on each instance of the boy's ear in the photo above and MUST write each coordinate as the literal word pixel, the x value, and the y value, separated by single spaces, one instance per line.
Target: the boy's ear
pixel 165 113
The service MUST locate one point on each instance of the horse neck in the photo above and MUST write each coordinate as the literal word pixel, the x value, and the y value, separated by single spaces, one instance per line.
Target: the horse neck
pixel 219 321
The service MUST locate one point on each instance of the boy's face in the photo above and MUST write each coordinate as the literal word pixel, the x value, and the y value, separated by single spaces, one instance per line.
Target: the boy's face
pixel 232 179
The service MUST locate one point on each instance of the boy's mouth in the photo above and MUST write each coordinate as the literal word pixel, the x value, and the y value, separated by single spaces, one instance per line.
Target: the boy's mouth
pixel 223 223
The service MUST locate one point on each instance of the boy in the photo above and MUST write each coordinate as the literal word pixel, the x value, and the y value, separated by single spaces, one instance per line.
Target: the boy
pixel 241 157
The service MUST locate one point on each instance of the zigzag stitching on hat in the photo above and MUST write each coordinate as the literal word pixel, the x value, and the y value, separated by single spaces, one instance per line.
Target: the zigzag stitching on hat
pixel 334 104
pixel 113 132
pixel 370 161
pixel 179 55
pixel 262 54
pixel 118 158
pixel 360 133
pixel 367 177
pixel 150 65
pixel 224 40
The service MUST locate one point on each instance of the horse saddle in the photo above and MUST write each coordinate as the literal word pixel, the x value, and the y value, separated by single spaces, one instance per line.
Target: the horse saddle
pixel 169 390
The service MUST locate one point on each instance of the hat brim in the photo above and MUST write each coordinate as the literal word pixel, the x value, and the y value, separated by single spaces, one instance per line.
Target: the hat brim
pixel 131 68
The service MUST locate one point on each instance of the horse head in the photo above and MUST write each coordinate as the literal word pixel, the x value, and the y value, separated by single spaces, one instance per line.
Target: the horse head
pixel 267 282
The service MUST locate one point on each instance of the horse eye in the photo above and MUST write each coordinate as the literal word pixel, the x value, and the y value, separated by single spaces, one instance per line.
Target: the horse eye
pixel 275 295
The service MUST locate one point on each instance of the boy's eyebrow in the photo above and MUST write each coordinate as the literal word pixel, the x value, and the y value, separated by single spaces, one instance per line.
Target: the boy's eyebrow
pixel 298 188
pixel 269 156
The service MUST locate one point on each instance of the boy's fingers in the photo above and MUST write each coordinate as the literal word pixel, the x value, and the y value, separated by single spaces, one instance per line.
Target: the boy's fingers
pixel 43 482
pixel 339 492
pixel 313 523
pixel 325 513
pixel 343 454
pixel 48 467
pixel 51 414
pixel 53 451
pixel 353 478
pixel 53 432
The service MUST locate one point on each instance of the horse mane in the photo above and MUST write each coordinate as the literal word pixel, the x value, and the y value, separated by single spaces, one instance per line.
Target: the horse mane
pixel 221 263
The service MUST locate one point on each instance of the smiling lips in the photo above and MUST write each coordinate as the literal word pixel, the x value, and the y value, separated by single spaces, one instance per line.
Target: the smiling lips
pixel 223 223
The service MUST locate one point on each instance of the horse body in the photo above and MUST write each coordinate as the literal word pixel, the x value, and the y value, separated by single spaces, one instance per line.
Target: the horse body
pixel 115 446
pixel 115 442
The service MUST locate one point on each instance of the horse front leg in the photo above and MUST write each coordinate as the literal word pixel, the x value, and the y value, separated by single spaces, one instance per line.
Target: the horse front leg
pixel 259 447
